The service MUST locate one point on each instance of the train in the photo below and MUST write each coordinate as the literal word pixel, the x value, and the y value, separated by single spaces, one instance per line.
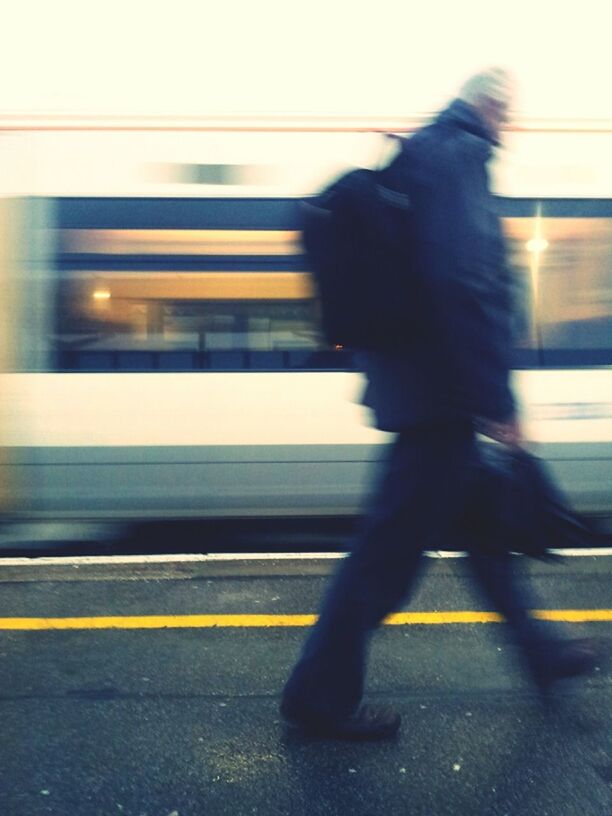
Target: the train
pixel 161 356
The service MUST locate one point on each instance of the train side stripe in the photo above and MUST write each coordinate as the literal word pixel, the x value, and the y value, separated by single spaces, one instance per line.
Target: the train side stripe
pixel 265 621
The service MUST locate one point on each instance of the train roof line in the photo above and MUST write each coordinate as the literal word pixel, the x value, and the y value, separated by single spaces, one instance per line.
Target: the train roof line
pixel 273 124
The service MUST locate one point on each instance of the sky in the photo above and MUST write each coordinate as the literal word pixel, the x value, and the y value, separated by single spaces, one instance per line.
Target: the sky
pixel 320 57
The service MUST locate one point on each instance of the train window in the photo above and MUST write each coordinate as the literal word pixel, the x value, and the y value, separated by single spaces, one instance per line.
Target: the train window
pixel 201 283
pixel 563 266
pixel 574 288
pixel 220 284
pixel 215 317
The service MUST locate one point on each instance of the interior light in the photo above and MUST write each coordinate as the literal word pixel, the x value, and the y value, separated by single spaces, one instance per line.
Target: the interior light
pixel 101 294
pixel 537 245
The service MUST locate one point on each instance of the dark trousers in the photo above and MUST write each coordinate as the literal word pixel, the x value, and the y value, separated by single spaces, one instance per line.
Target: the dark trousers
pixel 427 480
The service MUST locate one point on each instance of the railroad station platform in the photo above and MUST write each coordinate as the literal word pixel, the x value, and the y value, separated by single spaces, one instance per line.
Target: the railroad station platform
pixel 151 687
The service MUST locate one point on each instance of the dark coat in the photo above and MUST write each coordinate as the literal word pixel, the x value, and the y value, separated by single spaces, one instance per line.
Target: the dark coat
pixel 457 363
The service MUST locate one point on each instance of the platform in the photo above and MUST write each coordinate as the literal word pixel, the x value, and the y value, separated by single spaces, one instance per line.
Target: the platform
pixel 135 689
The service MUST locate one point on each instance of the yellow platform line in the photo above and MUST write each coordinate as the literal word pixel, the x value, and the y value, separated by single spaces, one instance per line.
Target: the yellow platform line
pixel 263 621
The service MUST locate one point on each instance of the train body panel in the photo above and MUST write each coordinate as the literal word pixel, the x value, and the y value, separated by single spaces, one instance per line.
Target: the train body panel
pixel 255 444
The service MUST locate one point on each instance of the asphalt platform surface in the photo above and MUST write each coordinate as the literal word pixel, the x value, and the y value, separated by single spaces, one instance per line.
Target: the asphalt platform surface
pixel 135 715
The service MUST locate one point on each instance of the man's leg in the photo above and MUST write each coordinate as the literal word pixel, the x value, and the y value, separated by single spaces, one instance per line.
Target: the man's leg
pixel 415 503
pixel 549 653
pixel 500 580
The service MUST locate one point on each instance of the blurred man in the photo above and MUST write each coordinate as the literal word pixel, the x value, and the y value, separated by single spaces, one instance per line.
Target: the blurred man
pixel 452 379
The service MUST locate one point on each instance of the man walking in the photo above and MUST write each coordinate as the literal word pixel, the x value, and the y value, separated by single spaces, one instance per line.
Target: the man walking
pixel 450 381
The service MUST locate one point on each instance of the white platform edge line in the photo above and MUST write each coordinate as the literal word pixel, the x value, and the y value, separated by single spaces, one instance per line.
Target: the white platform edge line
pixel 100 560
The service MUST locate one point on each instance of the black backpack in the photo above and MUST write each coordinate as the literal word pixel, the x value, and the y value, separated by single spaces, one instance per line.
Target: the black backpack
pixel 358 235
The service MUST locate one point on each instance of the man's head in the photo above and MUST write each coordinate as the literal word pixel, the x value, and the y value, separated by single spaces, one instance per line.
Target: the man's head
pixel 490 93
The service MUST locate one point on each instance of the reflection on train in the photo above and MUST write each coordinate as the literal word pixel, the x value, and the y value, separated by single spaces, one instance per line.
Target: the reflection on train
pixel 178 370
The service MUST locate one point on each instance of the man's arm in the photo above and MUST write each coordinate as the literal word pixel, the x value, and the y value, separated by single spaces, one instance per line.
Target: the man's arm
pixel 468 296
pixel 508 433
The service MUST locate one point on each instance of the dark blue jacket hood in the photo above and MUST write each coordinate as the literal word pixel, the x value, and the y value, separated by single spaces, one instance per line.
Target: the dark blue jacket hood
pixel 464 116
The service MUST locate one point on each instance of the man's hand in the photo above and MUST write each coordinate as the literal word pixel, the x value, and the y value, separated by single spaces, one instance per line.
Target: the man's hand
pixel 508 433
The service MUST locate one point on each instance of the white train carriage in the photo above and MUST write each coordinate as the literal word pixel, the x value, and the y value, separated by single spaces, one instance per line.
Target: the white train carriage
pixel 165 360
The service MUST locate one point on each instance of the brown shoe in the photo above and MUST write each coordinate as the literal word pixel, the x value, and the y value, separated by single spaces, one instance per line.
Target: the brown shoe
pixel 369 722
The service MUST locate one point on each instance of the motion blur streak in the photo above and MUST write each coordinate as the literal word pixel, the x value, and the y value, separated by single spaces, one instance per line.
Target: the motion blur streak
pixel 10 256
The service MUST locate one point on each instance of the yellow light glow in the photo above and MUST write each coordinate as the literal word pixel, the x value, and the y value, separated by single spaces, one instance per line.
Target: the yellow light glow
pixel 220 285
pixel 101 294
pixel 537 245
